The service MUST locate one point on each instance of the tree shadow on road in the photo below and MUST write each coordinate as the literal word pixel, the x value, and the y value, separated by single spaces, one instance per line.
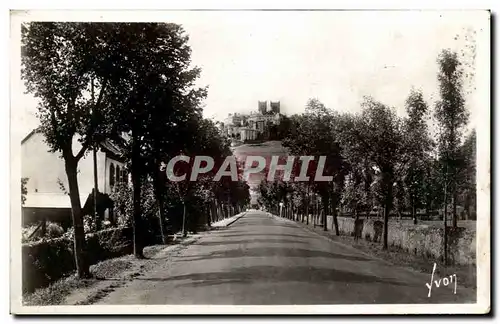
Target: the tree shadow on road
pixel 259 226
pixel 249 275
pixel 249 236
pixel 232 242
pixel 271 252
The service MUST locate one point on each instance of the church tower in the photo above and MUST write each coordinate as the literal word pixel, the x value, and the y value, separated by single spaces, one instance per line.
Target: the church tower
pixel 275 107
pixel 262 107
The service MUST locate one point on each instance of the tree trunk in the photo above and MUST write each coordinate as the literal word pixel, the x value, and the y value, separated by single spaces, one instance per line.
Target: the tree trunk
pixel 467 206
pixel 308 201
pixel 334 215
pixel 413 211
pixel 386 225
pixel 387 211
pixel 81 261
pixel 211 211
pixel 136 187
pixel 184 229
pixel 207 214
pixel 318 214
pixel 158 188
pixel 325 213
pixel 455 210
pixel 313 214
pixel 216 210
pixel 445 224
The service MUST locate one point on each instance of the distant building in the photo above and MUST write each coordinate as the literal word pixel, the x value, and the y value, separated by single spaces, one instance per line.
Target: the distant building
pixel 234 119
pixel 275 107
pixel 262 107
pixel 248 126
pixel 248 134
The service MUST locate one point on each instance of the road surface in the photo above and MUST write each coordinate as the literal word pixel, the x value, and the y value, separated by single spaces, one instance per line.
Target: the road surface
pixel 261 260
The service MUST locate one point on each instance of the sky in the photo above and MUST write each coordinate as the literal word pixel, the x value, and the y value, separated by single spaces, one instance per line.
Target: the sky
pixel 335 56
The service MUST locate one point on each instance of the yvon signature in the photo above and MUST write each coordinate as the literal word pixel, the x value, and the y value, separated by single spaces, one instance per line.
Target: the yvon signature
pixel 445 281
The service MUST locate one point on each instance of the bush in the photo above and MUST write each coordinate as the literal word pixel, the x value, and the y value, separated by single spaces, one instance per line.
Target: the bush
pixel 48 260
pixel 123 200
pixel 53 230
pixel 27 231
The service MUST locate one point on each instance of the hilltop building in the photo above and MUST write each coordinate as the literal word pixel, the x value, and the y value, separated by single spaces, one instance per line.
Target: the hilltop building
pixel 246 127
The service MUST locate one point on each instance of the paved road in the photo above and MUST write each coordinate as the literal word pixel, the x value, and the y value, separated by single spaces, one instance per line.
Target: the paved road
pixel 264 260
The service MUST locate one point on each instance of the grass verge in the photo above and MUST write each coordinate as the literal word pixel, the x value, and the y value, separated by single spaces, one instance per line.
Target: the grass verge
pixel 56 293
pixel 396 256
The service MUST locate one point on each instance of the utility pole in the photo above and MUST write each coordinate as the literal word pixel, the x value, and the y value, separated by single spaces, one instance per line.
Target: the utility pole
pixel 94 154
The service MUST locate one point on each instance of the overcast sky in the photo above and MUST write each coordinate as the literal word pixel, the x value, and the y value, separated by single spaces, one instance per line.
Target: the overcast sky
pixel 337 57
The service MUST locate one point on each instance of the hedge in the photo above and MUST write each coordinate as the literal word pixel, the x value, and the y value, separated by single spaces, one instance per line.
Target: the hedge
pixel 46 261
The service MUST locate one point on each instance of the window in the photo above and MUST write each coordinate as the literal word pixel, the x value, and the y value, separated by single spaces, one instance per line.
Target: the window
pixel 118 175
pixel 111 175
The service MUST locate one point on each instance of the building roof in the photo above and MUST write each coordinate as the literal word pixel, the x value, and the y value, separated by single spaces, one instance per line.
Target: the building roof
pixel 36 130
pixel 111 147
pixel 107 145
pixel 113 150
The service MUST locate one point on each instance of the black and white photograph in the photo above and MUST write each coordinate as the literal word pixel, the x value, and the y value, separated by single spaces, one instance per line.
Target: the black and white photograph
pixel 250 162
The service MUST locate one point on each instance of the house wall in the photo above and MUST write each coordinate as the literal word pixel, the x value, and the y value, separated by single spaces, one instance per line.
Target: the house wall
pixel 44 168
pixel 107 179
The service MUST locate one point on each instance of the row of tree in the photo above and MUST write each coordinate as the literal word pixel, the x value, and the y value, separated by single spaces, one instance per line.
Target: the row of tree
pixel 380 161
pixel 132 83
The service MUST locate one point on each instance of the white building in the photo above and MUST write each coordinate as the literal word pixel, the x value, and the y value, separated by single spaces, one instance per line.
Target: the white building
pixel 47 184
pixel 248 134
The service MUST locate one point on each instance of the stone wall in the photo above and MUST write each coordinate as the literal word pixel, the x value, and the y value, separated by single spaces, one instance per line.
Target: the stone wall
pixel 423 240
